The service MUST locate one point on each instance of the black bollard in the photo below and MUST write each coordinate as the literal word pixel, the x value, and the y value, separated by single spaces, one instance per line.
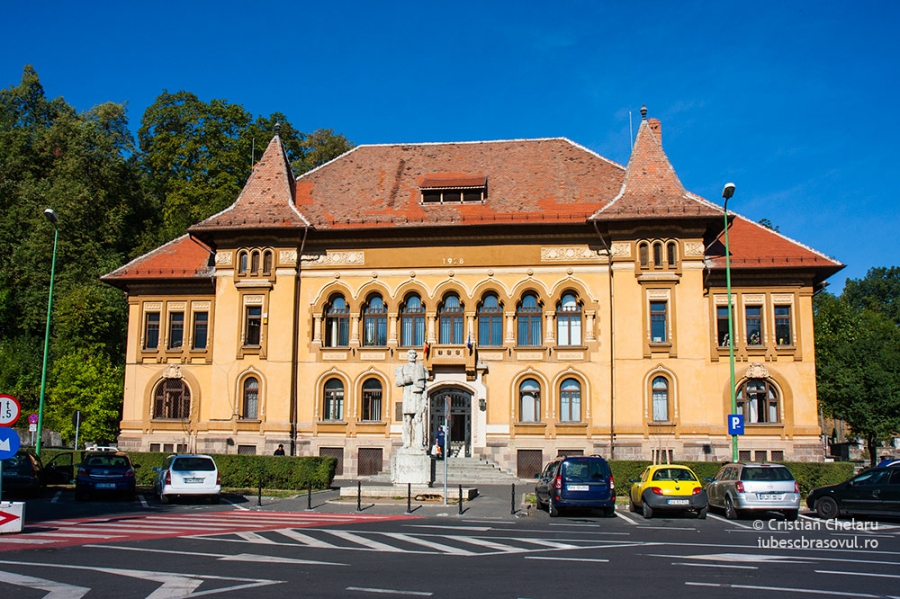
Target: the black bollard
pixel 358 496
pixel 309 497
pixel 408 498
pixel 460 500
pixel 512 508
pixel 259 492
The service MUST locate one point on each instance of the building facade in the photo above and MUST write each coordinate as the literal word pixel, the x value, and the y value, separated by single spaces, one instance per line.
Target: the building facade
pixel 562 303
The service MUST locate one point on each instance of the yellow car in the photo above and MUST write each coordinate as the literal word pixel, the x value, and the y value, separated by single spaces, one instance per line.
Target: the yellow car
pixel 667 487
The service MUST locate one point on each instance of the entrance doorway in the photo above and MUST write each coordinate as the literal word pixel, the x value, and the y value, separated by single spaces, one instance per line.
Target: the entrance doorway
pixel 460 442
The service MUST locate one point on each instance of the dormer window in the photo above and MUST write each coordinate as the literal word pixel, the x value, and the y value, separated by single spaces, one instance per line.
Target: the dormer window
pixel 453 189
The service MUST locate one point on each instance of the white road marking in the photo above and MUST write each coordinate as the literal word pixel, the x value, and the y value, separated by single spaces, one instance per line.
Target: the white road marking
pixel 354 538
pixel 872 574
pixel 236 506
pixel 430 544
pixel 715 566
pixel 626 518
pixel 491 544
pixel 740 558
pixel 143 500
pixel 56 590
pixel 390 591
pixel 666 528
pixel 255 538
pixel 567 559
pixel 781 589
pixel 241 557
pixel 304 539
pixel 56 497
pixel 475 528
pixel 726 520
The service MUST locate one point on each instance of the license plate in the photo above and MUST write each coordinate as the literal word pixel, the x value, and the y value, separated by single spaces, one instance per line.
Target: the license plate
pixel 579 488
pixel 194 480
pixel 769 496
pixel 10 473
pixel 678 502
pixel 105 485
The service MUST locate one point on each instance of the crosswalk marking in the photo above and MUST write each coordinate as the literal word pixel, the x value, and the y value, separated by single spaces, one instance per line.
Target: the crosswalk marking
pixel 430 544
pixel 56 590
pixel 487 543
pixel 372 544
pixel 305 539
pixel 254 537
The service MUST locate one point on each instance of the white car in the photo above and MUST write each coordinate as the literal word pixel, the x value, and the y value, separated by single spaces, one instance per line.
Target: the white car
pixel 185 475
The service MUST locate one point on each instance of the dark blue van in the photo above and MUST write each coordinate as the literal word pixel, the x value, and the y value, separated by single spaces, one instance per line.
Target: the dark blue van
pixel 576 482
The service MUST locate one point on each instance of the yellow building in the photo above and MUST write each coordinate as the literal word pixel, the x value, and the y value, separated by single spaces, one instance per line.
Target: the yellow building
pixel 562 303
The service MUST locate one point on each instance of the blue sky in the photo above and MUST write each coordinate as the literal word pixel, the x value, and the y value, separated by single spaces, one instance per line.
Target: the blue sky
pixel 786 99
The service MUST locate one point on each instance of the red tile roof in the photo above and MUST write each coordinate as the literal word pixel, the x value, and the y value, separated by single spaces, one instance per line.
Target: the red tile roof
pixel 183 258
pixel 651 189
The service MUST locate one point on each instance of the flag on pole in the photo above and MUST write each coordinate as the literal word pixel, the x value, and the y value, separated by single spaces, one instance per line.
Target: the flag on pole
pixel 425 350
pixel 469 343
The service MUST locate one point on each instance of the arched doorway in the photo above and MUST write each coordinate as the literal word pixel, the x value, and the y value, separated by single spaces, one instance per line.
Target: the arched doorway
pixel 460 419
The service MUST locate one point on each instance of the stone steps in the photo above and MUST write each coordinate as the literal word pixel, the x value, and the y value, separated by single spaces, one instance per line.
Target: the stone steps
pixel 464 471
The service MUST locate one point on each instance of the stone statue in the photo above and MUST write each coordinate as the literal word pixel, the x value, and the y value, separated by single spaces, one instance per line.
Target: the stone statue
pixel 411 377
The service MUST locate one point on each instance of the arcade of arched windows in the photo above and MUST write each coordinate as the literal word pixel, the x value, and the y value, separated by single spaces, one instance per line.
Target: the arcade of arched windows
pixel 657 254
pixel 255 263
pixel 492 319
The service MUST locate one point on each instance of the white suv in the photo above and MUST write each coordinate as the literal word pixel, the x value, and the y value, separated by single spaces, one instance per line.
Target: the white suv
pixel 187 475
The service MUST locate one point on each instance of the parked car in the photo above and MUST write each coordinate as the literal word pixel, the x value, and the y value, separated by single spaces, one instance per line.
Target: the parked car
pixel 105 472
pixel 187 475
pixel 739 488
pixel 874 492
pixel 25 473
pixel 669 488
pixel 576 482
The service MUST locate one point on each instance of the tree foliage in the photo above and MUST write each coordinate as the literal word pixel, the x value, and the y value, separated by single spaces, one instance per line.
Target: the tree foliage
pixel 115 199
pixel 858 362
pixel 879 290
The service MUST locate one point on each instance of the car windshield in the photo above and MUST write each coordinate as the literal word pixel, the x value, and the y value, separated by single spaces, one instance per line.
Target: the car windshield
pixel 187 464
pixel 101 461
pixel 673 474
pixel 15 461
pixel 766 473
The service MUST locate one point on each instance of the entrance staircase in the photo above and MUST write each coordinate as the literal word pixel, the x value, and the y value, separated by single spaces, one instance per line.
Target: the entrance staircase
pixel 464 471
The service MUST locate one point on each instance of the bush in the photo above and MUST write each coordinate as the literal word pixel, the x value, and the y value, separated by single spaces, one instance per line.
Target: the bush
pixel 809 475
pixel 241 471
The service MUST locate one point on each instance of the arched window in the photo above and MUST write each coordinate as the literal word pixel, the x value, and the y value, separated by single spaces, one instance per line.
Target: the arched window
pixel 644 254
pixel 490 322
pixel 671 255
pixel 657 255
pixel 334 400
pixel 570 401
pixel 529 401
pixel 529 320
pixel 337 323
pixel 450 321
pixel 757 400
pixel 375 322
pixel 412 322
pixel 371 400
pixel 568 320
pixel 254 263
pixel 267 263
pixel 242 263
pixel 172 400
pixel 250 408
pixel 660 399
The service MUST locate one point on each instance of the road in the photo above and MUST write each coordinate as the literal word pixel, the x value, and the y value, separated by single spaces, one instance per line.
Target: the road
pixel 143 549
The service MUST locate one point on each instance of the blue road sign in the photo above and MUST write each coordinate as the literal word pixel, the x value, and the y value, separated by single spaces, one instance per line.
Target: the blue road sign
pixel 9 443
pixel 735 424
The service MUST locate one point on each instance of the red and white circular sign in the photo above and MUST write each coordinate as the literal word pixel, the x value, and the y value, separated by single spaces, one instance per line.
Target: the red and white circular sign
pixel 9 410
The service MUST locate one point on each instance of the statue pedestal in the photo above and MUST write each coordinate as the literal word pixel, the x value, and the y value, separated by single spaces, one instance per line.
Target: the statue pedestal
pixel 411 466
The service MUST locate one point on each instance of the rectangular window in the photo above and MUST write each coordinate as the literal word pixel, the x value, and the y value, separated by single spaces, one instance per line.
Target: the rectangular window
pixel 151 331
pixel 658 322
pixel 371 405
pixel 754 325
pixel 412 330
pixel 176 330
pixel 201 329
pixel 783 325
pixel 722 326
pixel 490 330
pixel 568 329
pixel 253 325
pixel 530 330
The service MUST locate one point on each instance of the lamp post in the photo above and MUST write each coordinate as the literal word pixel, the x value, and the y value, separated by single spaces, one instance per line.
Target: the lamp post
pixel 50 214
pixel 727 192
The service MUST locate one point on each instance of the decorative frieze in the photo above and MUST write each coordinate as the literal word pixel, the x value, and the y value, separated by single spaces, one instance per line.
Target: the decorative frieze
pixel 253 300
pixel 373 356
pixel 621 250
pixel 491 356
pixel 224 258
pixel 570 356
pixel 567 253
pixel 173 371
pixel 287 257
pixel 336 258
pixel 201 305
pixel 152 306
pixel 176 306
pixel 757 370
pixel 693 249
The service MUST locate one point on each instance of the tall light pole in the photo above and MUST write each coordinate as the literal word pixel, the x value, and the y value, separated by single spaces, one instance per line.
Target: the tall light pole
pixel 727 192
pixel 50 214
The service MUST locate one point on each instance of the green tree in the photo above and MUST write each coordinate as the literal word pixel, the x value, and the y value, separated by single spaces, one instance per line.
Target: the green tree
pixel 879 290
pixel 858 368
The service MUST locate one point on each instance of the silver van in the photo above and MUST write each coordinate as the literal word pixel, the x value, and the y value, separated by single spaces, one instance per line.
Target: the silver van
pixel 739 488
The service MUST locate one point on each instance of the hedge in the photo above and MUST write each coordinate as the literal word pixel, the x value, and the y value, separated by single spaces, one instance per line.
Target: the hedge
pixel 809 475
pixel 241 471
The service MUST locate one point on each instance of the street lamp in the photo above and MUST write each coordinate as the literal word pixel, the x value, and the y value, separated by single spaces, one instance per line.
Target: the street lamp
pixel 727 192
pixel 51 216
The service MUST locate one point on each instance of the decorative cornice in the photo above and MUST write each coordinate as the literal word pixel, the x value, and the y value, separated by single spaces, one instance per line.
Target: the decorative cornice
pixel 567 253
pixel 356 258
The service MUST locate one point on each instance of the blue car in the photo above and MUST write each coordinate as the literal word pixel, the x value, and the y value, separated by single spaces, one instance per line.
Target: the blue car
pixel 107 473
pixel 576 482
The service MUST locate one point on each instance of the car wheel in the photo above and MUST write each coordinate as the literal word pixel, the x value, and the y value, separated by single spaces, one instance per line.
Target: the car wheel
pixel 701 515
pixel 551 507
pixel 213 499
pixel 632 507
pixel 791 514
pixel 647 510
pixel 730 512
pixel 827 508
pixel 610 511
pixel 540 504
pixel 163 499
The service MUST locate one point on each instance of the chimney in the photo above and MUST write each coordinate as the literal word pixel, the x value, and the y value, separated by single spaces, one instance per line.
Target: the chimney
pixel 656 127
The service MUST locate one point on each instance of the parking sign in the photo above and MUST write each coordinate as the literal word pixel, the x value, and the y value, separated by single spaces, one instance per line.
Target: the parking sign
pixel 735 424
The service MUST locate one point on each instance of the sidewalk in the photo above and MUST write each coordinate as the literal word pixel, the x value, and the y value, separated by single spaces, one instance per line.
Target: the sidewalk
pixel 492 502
